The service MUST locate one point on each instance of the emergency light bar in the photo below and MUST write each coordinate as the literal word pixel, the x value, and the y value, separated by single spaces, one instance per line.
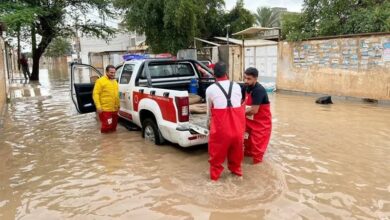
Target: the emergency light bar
pixel 128 57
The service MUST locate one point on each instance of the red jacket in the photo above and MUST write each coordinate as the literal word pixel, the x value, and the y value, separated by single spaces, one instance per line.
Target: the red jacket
pixel 23 61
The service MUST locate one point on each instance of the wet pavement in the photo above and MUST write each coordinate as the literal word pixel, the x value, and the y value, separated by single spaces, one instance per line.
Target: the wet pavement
pixel 323 162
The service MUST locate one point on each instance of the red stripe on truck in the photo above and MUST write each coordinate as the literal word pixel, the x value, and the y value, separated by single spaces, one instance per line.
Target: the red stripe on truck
pixel 166 105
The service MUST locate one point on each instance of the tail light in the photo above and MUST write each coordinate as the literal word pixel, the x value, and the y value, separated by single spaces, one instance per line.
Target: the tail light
pixel 182 104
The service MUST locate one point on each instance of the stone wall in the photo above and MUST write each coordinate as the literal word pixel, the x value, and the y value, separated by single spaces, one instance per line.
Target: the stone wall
pixel 356 66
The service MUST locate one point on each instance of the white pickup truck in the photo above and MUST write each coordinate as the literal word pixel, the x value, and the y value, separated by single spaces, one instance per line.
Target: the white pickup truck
pixel 154 96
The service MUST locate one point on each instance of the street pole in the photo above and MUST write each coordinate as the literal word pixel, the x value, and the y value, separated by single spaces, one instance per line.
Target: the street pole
pixel 77 39
pixel 227 34
pixel 228 48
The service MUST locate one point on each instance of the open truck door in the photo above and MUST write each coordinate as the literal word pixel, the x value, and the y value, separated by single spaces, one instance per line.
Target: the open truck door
pixel 82 81
pixel 206 77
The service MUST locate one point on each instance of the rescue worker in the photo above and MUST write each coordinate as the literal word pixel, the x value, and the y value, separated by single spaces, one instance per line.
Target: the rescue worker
pixel 226 123
pixel 106 98
pixel 258 117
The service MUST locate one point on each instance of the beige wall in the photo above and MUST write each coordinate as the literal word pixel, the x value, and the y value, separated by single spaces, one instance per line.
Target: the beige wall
pixel 2 77
pixel 355 66
pixel 235 67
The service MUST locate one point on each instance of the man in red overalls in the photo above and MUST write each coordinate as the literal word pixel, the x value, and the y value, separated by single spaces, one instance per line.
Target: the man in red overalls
pixel 259 119
pixel 227 124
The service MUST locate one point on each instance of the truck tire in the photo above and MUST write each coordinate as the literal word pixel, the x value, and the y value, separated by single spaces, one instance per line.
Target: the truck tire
pixel 151 132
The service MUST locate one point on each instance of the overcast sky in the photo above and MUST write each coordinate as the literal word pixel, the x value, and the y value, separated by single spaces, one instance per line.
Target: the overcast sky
pixel 291 5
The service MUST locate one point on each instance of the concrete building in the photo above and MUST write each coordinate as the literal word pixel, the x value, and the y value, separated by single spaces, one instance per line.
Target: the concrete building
pixel 121 43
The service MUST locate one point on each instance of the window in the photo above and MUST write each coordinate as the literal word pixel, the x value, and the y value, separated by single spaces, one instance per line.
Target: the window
pixel 118 71
pixel 205 62
pixel 126 73
pixel 169 70
pixel 133 42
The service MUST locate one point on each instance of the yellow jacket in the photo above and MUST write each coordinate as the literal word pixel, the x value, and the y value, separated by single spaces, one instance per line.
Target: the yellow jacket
pixel 106 94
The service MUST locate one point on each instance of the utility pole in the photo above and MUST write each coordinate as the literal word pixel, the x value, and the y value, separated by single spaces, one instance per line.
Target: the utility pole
pixel 19 48
pixel 227 34
pixel 228 48
pixel 77 43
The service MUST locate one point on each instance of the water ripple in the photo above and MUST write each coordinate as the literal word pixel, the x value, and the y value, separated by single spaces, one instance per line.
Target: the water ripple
pixel 322 163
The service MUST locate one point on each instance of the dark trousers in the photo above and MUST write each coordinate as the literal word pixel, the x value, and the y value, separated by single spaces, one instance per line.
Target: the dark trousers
pixel 26 71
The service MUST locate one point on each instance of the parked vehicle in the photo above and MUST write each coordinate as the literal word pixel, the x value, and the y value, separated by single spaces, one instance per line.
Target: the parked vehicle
pixel 154 96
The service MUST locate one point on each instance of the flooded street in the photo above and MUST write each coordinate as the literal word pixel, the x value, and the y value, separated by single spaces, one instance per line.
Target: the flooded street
pixel 323 162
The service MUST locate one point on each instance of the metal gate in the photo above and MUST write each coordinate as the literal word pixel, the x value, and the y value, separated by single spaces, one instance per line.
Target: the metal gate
pixel 264 58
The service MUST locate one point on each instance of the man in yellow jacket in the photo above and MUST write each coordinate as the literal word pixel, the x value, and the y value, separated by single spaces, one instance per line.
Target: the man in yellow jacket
pixel 106 98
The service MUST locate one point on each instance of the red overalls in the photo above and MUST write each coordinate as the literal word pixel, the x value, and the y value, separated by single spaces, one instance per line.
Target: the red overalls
pixel 109 121
pixel 226 138
pixel 258 129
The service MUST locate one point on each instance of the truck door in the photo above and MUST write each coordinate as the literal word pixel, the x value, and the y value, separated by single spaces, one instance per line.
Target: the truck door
pixel 206 77
pixel 83 78
pixel 125 96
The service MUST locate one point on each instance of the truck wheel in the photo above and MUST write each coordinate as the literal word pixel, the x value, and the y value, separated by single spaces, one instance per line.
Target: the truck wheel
pixel 151 132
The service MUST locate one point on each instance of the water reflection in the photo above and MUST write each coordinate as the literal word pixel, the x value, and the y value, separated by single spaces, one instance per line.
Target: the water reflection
pixel 323 162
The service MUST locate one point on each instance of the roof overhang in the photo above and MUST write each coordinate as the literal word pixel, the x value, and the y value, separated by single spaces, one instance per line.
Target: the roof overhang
pixel 207 42
pixel 248 43
pixel 254 30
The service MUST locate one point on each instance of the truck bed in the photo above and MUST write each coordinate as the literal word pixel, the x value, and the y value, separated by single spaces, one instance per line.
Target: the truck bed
pixel 199 120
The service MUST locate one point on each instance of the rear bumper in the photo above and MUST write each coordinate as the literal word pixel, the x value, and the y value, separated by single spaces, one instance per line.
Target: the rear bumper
pixel 191 137
pixel 184 136
pixel 186 139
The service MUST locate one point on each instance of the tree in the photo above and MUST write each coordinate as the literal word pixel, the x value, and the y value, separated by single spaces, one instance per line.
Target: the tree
pixel 375 18
pixel 239 18
pixel 213 21
pixel 292 26
pixel 266 17
pixel 170 25
pixel 48 19
pixel 337 17
pixel 58 47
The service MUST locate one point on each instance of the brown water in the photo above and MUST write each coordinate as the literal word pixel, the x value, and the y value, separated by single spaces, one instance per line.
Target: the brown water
pixel 323 162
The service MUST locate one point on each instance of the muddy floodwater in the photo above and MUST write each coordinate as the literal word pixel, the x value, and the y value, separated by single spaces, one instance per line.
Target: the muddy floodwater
pixel 323 162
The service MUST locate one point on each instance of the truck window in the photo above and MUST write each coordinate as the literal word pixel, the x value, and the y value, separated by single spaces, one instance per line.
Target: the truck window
pixel 126 73
pixel 164 70
pixel 118 71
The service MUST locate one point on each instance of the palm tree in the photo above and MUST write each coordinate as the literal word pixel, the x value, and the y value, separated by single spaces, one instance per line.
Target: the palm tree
pixel 266 17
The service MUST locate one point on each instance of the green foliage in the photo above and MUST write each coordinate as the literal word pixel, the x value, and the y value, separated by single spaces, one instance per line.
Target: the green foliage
pixel 50 19
pixel 239 18
pixel 338 17
pixel 170 25
pixel 213 21
pixel 372 19
pixel 58 47
pixel 292 26
pixel 266 17
pixel 16 14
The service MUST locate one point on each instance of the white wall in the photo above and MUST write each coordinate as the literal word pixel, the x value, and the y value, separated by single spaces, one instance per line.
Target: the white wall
pixel 120 42
pixel 264 58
